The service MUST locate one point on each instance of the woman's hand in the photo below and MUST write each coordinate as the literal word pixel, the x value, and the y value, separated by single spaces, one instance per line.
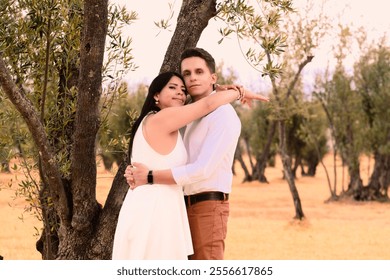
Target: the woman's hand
pixel 226 87
pixel 247 97
pixel 136 175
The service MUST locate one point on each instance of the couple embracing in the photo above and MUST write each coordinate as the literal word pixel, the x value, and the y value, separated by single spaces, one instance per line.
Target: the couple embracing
pixel 155 221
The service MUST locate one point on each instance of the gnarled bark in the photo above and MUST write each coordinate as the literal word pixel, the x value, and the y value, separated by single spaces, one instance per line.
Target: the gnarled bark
pixel 192 20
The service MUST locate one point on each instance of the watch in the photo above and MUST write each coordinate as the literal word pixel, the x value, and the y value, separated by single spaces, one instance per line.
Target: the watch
pixel 150 177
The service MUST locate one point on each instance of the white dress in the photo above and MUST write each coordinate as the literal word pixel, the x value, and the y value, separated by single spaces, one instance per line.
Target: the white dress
pixel 152 222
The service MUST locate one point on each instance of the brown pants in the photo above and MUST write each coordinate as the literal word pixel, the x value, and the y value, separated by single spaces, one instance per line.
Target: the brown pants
pixel 208 223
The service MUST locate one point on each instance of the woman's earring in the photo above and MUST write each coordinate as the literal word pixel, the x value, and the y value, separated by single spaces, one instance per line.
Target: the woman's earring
pixel 156 102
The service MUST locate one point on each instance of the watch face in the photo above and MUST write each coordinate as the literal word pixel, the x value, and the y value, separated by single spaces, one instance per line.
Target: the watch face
pixel 150 177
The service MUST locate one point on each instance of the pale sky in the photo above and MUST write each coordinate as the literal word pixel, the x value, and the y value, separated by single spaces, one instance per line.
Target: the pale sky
pixel 149 44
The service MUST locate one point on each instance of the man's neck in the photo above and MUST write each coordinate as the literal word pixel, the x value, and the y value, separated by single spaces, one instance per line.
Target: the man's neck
pixel 199 97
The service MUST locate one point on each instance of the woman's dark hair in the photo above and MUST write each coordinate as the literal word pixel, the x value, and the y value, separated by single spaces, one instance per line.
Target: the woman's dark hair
pixel 150 103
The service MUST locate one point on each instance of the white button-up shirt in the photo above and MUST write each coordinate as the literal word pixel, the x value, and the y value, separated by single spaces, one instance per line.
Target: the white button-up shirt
pixel 210 142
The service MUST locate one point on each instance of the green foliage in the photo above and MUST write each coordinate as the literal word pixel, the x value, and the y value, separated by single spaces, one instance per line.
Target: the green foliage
pixel 258 22
pixel 165 24
pixel 41 46
pixel 255 125
pixel 312 131
pixel 356 106
pixel 344 108
pixel 345 111
pixel 29 189
pixel 47 36
pixel 281 42
pixel 119 60
pixel 114 133
pixel 372 79
pixel 14 138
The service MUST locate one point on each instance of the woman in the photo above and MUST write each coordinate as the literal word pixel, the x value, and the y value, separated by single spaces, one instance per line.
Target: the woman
pixel 152 222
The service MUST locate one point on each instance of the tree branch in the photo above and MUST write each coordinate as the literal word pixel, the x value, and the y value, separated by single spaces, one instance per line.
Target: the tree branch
pixel 32 119
pixel 308 59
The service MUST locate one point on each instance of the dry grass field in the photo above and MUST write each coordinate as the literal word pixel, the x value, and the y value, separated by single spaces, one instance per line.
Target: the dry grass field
pixel 261 224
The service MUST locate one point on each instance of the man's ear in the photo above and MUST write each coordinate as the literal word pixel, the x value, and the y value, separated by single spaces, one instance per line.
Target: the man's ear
pixel 214 77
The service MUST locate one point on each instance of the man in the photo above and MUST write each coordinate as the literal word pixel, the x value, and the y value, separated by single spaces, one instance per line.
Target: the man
pixel 207 177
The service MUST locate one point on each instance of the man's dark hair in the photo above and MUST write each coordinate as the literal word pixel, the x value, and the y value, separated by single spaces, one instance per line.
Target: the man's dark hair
pixel 199 52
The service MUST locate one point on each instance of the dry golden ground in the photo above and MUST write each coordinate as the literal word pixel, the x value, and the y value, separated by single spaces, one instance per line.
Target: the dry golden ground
pixel 261 224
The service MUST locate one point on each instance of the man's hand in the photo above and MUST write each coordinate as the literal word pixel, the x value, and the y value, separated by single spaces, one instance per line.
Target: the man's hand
pixel 136 175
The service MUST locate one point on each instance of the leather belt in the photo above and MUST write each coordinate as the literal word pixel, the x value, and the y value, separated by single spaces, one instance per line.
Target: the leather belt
pixel 195 198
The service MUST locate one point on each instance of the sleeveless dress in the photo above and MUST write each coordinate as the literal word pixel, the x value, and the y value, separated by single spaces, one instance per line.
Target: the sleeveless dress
pixel 152 222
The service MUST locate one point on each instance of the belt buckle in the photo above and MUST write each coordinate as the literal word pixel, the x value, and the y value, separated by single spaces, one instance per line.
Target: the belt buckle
pixel 225 196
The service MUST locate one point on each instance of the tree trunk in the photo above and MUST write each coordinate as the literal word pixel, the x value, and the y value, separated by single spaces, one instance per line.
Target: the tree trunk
pixel 355 186
pixel 62 142
pixel 312 166
pixel 192 20
pixel 238 156
pixel 380 179
pixel 35 126
pixel 261 161
pixel 286 160
pixel 48 243
pixel 297 163
pixel 101 248
pixel 85 210
pixel 248 150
